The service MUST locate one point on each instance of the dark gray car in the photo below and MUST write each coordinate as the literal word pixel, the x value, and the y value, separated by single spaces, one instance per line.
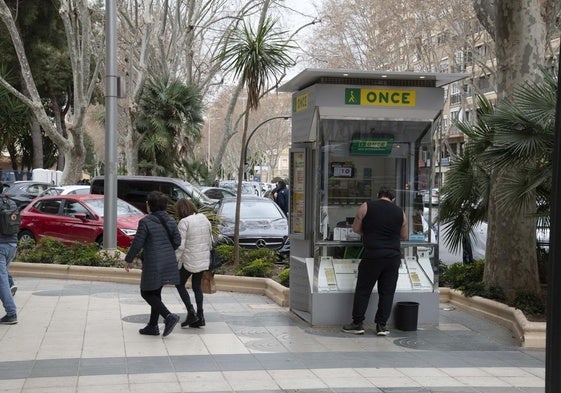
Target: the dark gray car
pixel 262 223
pixel 24 191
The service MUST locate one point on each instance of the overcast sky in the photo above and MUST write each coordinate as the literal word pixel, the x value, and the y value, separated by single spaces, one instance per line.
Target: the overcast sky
pixel 304 12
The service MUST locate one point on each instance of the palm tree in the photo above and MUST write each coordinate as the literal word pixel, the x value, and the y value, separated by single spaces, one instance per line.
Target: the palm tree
pixel 517 134
pixel 255 57
pixel 170 119
pixel 465 194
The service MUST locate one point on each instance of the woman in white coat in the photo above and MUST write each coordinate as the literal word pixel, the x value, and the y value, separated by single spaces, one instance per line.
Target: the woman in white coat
pixel 193 257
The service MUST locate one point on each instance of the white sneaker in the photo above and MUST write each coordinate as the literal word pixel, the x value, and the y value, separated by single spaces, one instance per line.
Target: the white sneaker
pixel 381 330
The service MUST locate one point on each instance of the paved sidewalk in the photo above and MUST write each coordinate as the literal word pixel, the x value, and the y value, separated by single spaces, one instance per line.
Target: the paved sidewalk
pixel 80 336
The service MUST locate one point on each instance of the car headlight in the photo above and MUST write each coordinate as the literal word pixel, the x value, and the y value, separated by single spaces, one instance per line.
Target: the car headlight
pixel 128 232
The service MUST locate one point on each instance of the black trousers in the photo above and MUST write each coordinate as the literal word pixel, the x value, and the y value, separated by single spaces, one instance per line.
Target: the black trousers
pixel 384 271
pixel 195 284
pixel 157 307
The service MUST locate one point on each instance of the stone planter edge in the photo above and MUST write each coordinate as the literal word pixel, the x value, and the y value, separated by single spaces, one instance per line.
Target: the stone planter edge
pixel 527 333
pixel 256 285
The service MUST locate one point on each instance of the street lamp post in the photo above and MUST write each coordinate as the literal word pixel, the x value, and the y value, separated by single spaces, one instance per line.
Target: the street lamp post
pixel 285 117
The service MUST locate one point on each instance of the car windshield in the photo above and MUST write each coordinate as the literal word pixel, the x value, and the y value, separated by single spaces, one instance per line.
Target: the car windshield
pixel 247 188
pixel 123 208
pixel 196 194
pixel 264 210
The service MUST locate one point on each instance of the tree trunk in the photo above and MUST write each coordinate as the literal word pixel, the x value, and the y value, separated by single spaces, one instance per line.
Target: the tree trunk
pixel 511 261
pixel 37 141
pixel 73 160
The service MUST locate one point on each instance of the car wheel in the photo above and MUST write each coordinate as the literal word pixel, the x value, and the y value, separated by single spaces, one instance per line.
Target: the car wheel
pixel 26 236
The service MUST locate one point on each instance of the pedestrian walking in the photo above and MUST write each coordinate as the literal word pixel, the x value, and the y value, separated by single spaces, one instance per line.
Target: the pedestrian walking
pixel 382 225
pixel 193 257
pixel 8 247
pixel 158 237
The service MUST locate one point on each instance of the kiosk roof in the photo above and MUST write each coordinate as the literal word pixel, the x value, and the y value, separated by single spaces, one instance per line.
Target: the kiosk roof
pixel 311 76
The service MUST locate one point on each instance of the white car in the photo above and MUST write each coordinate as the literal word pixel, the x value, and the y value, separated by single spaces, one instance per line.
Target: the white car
pixel 432 197
pixel 64 190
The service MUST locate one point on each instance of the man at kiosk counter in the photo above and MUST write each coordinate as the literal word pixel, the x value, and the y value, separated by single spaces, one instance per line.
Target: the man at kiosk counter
pixel 382 225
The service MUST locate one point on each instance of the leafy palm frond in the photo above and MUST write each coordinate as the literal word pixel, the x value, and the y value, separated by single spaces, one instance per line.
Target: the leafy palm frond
pixel 257 57
pixel 170 118
pixel 518 135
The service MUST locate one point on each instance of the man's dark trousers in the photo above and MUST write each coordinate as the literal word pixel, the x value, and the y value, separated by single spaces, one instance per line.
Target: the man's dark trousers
pixel 385 271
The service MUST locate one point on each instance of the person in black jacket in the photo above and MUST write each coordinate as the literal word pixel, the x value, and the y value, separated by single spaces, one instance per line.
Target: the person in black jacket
pixel 382 225
pixel 280 196
pixel 158 237
pixel 8 247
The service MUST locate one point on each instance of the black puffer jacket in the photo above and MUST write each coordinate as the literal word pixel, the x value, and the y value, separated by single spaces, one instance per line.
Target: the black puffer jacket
pixel 159 265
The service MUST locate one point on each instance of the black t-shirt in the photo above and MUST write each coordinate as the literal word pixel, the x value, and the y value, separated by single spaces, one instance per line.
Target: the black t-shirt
pixel 381 229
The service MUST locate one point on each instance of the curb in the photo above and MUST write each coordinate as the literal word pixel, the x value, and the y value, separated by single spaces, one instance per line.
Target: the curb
pixel 254 285
pixel 528 334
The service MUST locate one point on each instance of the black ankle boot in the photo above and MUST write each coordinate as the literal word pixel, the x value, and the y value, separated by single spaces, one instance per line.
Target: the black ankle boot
pixel 201 320
pixel 191 317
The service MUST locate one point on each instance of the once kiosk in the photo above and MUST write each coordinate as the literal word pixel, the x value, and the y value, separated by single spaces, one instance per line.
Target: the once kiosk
pixel 353 131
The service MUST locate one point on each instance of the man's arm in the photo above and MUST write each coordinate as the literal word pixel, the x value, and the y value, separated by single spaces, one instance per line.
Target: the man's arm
pixel 357 223
pixel 404 234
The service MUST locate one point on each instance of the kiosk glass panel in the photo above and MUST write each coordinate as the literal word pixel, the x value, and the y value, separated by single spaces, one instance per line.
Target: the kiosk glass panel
pixel 357 158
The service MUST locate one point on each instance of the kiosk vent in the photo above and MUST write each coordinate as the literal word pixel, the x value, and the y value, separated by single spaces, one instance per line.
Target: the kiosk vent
pixel 375 82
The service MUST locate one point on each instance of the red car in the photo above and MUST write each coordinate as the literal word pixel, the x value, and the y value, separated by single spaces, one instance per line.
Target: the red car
pixel 76 218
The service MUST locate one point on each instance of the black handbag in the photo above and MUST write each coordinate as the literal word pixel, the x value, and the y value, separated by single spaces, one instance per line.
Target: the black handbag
pixel 215 261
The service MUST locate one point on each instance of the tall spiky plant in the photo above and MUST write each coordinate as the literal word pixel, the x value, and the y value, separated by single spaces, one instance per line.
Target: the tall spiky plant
pixel 169 120
pixel 256 57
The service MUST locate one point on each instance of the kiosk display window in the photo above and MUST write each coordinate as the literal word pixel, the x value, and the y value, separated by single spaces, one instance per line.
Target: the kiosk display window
pixel 355 161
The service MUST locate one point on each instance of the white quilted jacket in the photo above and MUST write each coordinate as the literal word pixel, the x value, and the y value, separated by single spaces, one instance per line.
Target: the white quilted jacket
pixel 196 241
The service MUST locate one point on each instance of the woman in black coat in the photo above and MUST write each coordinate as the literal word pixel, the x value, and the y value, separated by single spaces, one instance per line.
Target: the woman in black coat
pixel 158 237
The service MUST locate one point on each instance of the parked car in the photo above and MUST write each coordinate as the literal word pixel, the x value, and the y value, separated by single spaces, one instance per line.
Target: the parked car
pixel 24 191
pixel 232 185
pixel 135 189
pixel 216 193
pixel 4 186
pixel 76 218
pixel 262 223
pixel 431 197
pixel 66 190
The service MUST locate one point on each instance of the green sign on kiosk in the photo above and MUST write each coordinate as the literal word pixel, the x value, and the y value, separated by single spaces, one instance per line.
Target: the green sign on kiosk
pixel 372 146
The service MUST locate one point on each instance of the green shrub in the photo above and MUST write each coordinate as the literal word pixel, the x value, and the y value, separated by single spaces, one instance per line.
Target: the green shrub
pixel 46 251
pixel 468 278
pixel 284 277
pixel 461 276
pixel 226 253
pixel 265 254
pixel 49 250
pixel 494 293
pixel 529 303
pixel 256 268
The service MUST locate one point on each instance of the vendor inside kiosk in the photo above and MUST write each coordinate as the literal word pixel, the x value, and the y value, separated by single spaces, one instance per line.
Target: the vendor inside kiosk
pixel 353 132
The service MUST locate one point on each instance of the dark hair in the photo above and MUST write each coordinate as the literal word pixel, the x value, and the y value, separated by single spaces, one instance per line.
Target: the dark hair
pixel 157 201
pixel 386 192
pixel 184 208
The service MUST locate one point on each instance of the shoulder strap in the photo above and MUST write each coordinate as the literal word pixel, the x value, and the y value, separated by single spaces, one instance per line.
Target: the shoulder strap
pixel 162 221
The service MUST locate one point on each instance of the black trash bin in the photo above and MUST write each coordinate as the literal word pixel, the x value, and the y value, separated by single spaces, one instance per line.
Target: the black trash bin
pixel 406 314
